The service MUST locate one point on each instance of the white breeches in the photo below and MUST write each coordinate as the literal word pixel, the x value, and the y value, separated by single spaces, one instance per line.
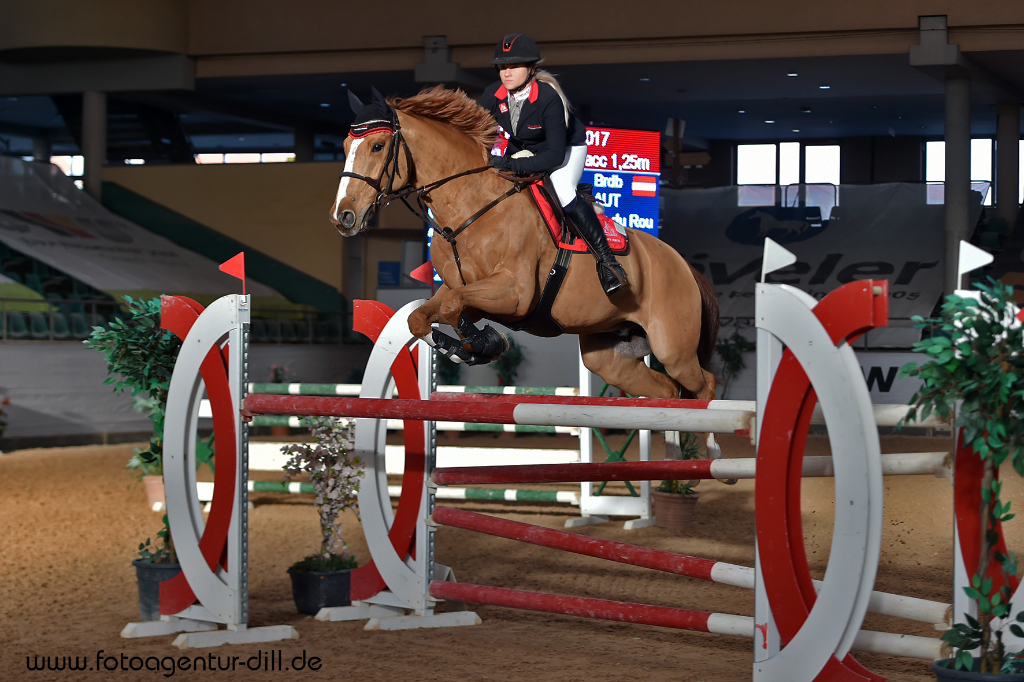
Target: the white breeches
pixel 566 177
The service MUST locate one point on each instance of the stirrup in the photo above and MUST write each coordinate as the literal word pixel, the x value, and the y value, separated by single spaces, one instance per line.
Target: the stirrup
pixel 612 276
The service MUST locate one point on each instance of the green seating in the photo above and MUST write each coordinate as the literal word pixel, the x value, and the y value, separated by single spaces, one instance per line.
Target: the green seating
pixel 61 330
pixel 38 327
pixel 302 331
pixel 79 327
pixel 17 328
pixel 320 332
pixel 273 331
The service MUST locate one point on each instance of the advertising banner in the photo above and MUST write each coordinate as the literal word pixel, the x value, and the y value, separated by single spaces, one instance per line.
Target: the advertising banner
pixel 884 231
pixel 44 216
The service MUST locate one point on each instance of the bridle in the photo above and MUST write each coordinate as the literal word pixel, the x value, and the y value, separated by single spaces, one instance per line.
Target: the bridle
pixel 386 192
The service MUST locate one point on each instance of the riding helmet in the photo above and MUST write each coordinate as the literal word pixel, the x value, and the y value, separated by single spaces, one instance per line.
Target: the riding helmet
pixel 516 48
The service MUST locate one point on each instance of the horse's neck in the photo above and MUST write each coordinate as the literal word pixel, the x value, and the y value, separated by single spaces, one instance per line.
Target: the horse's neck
pixel 439 153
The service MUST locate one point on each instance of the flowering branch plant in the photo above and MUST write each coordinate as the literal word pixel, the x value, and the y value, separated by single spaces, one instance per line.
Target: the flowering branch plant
pixel 334 471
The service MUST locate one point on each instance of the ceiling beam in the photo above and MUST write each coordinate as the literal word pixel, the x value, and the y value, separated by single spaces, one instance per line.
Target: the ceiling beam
pixel 109 75
pixel 182 101
pixel 939 58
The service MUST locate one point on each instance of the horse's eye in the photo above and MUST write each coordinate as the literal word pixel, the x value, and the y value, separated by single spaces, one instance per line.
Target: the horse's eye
pixel 378 146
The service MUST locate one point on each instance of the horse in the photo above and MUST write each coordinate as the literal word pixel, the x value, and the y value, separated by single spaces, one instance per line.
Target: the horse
pixel 437 144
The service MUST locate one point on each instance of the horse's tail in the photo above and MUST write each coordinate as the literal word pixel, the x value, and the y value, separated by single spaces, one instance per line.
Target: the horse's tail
pixel 709 320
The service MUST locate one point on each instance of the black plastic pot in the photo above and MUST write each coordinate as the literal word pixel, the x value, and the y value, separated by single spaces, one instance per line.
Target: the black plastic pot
pixel 943 673
pixel 150 576
pixel 313 591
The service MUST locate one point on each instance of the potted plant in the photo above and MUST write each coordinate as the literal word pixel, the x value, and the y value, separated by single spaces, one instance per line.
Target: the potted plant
pixel 154 565
pixel 976 365
pixel 507 364
pixel 448 372
pixel 674 501
pixel 730 351
pixel 140 357
pixel 322 579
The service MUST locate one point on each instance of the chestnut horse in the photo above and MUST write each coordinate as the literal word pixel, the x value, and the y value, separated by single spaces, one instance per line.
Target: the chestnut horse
pixel 505 255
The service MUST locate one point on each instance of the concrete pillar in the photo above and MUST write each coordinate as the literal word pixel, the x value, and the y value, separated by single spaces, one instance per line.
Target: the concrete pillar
pixel 304 144
pixel 42 149
pixel 94 140
pixel 958 172
pixel 1008 162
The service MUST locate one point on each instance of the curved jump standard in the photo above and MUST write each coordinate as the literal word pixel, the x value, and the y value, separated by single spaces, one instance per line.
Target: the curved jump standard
pixel 212 587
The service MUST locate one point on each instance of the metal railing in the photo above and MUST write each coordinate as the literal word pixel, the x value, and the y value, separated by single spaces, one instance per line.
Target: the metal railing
pixel 94 312
pixel 289 326
pixel 72 319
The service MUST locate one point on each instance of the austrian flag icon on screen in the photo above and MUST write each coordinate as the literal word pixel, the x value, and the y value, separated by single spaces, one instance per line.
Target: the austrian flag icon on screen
pixel 645 186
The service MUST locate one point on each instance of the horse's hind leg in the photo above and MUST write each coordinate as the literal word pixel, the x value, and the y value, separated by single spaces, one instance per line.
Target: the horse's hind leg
pixel 629 374
pixel 679 356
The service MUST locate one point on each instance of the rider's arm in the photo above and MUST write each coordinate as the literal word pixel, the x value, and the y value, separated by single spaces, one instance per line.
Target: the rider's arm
pixel 553 154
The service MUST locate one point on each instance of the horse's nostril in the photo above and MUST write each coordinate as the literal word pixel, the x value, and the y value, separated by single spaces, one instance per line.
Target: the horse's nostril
pixel 348 219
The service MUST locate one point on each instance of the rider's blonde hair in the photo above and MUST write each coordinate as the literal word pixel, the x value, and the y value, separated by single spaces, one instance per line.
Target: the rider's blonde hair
pixel 549 78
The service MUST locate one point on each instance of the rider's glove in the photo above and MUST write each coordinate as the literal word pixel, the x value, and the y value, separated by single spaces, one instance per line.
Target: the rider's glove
pixel 502 163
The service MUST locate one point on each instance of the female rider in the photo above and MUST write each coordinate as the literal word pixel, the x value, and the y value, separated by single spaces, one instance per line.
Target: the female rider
pixel 532 109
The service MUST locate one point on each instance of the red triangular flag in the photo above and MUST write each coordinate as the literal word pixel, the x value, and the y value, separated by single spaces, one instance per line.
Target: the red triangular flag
pixel 424 273
pixel 236 268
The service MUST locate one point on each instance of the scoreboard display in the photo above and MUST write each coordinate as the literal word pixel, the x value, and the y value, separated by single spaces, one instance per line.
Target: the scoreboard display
pixel 624 167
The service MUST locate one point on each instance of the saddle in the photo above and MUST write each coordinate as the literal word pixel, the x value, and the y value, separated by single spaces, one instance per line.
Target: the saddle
pixel 539 321
pixel 561 229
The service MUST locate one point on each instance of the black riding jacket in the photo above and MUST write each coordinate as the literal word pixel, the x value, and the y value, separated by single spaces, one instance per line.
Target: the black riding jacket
pixel 541 127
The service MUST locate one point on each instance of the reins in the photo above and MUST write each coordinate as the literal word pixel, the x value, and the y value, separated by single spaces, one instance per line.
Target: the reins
pixel 385 195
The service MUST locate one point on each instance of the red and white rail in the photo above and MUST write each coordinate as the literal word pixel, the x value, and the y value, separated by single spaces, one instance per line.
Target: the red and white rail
pixel 885 603
pixel 520 412
pixel 912 646
pixel 935 463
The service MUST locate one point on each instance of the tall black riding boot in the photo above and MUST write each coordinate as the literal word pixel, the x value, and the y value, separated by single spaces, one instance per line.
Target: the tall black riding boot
pixel 611 274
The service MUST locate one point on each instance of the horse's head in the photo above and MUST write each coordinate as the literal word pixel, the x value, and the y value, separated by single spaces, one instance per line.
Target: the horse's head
pixel 377 164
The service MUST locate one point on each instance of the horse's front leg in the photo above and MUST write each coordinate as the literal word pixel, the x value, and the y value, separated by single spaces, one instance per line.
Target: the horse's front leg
pixel 427 314
pixel 460 307
pixel 494 295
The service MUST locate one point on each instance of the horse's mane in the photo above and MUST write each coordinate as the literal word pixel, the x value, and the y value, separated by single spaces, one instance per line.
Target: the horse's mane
pixel 453 108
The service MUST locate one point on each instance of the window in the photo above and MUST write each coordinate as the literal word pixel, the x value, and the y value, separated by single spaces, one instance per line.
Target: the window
pixel 981 166
pixel 241 158
pixel 268 157
pixel 789 163
pixel 277 157
pixel 73 166
pixel 935 169
pixel 821 164
pixel 755 164
pixel 761 165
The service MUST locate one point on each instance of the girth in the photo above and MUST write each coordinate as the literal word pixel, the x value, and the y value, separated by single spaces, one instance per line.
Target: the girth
pixel 539 321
